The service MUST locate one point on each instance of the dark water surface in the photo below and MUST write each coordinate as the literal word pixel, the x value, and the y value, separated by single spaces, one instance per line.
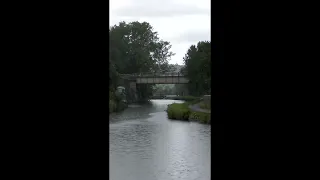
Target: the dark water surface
pixel 146 145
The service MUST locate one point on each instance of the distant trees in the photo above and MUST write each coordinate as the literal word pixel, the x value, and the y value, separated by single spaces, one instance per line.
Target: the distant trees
pixel 198 68
pixel 164 89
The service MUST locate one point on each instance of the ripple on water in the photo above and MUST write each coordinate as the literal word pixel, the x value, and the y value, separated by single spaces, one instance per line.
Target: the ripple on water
pixel 153 147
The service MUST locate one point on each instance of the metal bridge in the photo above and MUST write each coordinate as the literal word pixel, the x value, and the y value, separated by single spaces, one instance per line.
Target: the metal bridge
pixel 156 78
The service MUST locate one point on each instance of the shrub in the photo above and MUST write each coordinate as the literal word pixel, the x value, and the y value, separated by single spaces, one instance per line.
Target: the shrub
pixel 182 112
pixel 204 106
pixel 178 111
pixel 201 117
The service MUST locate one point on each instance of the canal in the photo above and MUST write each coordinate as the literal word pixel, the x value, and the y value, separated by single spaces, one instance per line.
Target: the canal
pixel 146 145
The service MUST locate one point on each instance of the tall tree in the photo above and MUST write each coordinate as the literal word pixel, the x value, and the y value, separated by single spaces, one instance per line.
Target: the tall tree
pixel 136 48
pixel 198 68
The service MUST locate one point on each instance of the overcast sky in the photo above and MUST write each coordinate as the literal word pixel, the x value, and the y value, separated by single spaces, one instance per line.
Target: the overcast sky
pixel 181 22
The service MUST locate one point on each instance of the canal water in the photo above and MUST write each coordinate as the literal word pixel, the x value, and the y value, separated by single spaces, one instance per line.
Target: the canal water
pixel 146 145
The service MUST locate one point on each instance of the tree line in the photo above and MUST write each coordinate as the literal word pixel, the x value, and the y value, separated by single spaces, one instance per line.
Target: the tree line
pixel 136 48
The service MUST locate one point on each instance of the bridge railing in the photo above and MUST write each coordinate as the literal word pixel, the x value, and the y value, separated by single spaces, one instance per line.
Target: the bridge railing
pixel 153 74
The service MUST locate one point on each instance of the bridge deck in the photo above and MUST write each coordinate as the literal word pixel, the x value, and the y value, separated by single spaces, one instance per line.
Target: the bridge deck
pixel 157 78
pixel 153 75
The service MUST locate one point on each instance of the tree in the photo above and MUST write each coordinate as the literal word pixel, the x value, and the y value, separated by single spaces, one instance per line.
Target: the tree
pixel 136 48
pixel 198 68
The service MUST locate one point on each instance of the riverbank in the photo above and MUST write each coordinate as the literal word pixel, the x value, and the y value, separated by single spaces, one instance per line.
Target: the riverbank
pixel 182 98
pixel 115 104
pixel 200 107
pixel 187 111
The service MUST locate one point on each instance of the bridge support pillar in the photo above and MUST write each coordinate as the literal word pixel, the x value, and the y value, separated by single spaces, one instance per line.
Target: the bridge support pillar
pixel 133 90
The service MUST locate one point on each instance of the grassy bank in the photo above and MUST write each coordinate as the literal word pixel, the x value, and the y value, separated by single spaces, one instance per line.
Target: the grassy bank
pixel 178 111
pixel 204 106
pixel 200 116
pixel 182 112
pixel 184 98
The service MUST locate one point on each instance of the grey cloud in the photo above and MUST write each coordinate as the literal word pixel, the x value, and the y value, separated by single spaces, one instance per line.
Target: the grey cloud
pixel 115 20
pixel 160 10
pixel 192 37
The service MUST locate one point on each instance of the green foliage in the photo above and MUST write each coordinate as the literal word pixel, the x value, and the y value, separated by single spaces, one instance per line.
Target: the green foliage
pixel 181 89
pixel 164 89
pixel 182 112
pixel 115 103
pixel 204 106
pixel 144 91
pixel 200 116
pixel 136 48
pixel 178 111
pixel 198 68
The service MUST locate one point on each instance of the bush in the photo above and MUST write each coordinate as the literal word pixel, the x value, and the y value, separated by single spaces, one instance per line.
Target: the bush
pixel 201 117
pixel 182 112
pixel 178 111
pixel 204 106
pixel 115 103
